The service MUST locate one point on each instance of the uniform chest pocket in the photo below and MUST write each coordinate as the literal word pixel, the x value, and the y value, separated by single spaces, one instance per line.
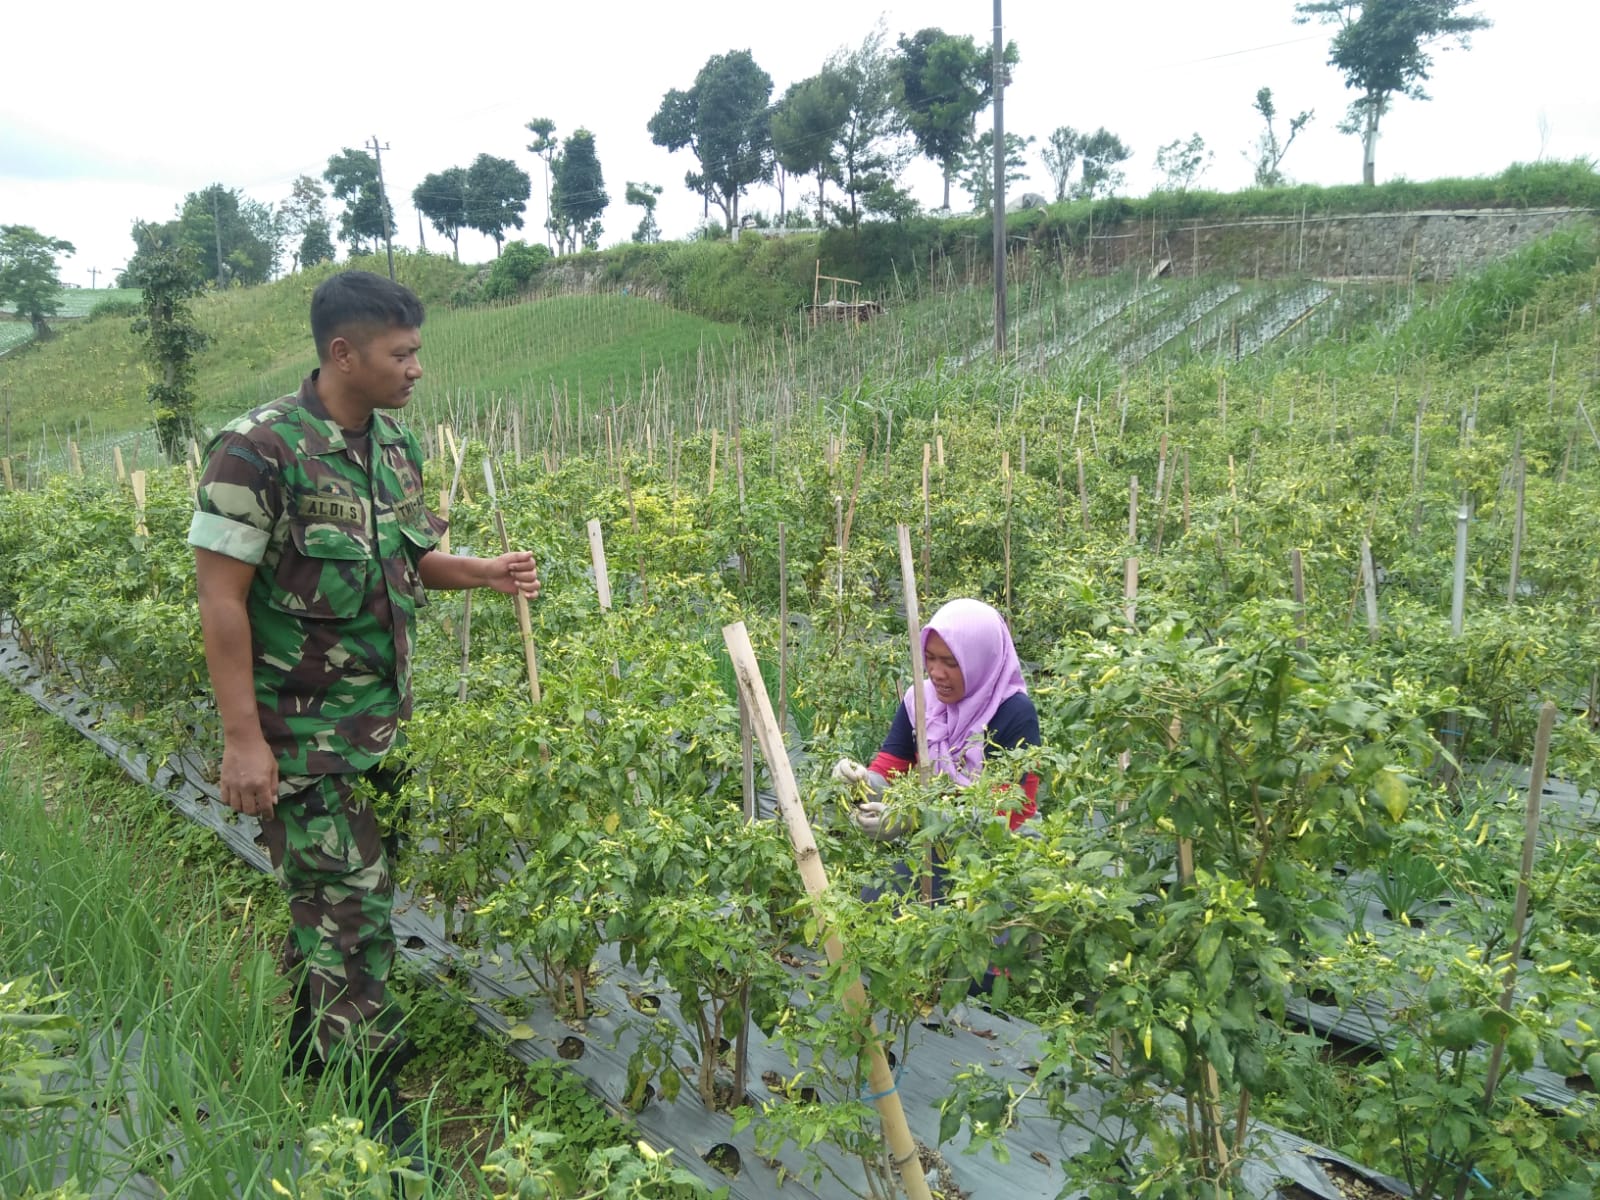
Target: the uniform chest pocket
pixel 323 573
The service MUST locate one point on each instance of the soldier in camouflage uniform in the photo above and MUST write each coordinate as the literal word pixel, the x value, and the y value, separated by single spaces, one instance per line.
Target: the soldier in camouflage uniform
pixel 313 551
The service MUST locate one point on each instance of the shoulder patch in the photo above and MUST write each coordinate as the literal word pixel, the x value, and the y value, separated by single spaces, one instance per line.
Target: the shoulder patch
pixel 248 455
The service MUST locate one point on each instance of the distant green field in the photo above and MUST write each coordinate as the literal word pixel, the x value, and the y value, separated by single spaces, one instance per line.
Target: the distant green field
pixel 77 302
pixel 14 334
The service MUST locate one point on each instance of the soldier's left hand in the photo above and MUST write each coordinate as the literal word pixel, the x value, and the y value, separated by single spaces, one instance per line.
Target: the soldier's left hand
pixel 512 574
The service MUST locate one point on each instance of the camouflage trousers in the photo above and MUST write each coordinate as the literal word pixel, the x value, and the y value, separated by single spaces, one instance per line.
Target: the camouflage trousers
pixel 328 853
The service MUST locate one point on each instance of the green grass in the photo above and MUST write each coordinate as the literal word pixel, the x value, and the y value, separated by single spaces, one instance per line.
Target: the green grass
pixel 162 947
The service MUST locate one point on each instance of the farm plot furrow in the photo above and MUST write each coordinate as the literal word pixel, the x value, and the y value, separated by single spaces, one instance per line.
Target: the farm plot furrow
pixel 603 1045
pixel 1265 322
pixel 1170 328
pixel 1094 332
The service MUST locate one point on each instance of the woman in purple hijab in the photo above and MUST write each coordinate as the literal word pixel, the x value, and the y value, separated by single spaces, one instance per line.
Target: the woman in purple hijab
pixel 977 705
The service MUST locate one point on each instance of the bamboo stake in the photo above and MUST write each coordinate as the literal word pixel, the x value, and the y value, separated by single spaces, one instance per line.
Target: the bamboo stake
pixel 1519 916
pixel 1133 510
pixel 1186 491
pixel 747 762
pixel 1458 590
pixel 188 474
pixel 1521 470
pixel 73 456
pixel 444 515
pixel 466 646
pixel 1233 496
pixel 783 627
pixel 1297 573
pixel 919 713
pixel 118 464
pixel 1369 581
pixel 938 449
pixel 885 1092
pixel 1083 492
pixel 5 469
pixel 927 507
pixel 137 479
pixel 524 621
pixel 1130 592
pixel 1005 471
pixel 633 524
pixel 711 479
pixel 850 514
pixel 597 555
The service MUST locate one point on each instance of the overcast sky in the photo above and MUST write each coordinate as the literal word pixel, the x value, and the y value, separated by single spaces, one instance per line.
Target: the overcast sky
pixel 112 112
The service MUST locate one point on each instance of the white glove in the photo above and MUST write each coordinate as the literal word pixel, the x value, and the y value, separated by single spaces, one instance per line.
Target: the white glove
pixel 874 819
pixel 848 770
pixel 853 775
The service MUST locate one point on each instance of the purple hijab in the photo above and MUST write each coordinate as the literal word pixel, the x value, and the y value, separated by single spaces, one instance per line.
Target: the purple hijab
pixel 978 637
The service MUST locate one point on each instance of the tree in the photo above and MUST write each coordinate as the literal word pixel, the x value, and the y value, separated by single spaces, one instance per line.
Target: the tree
pixel 497 196
pixel 544 148
pixel 871 149
pixel 1182 163
pixel 977 174
pixel 578 196
pixel 645 196
pixel 805 125
pixel 353 175
pixel 1060 155
pixel 1382 47
pixel 234 239
pixel 170 277
pixel 316 245
pixel 28 277
pixel 441 197
pixel 303 208
pixel 1102 153
pixel 723 121
pixel 1269 153
pixel 944 82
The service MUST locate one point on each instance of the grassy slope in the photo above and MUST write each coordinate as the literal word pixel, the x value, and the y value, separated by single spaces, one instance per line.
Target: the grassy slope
pixel 92 377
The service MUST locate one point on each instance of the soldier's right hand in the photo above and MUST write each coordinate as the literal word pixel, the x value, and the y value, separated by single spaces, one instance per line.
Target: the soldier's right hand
pixel 249 783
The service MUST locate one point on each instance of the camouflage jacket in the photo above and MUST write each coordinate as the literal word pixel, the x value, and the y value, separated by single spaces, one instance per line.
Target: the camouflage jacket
pixel 335 540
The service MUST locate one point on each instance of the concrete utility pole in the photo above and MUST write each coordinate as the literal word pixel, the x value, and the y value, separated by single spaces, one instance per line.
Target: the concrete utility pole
pixel 383 200
pixel 216 228
pixel 94 273
pixel 999 187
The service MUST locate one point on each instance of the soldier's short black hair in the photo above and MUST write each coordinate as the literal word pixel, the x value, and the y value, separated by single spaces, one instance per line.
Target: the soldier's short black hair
pixel 360 298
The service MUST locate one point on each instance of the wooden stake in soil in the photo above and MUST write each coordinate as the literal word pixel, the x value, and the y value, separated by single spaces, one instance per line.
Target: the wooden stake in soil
pixel 783 627
pixel 919 714
pixel 1369 581
pixel 1297 573
pixel 711 479
pixel 5 469
pixel 741 1043
pixel 1458 590
pixel 1521 469
pixel 74 457
pixel 1083 492
pixel 1005 471
pixel 850 514
pixel 1519 916
pixel 597 555
pixel 524 621
pixel 885 1091
pixel 117 463
pixel 137 479
pixel 466 646
pixel 633 524
pixel 927 507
